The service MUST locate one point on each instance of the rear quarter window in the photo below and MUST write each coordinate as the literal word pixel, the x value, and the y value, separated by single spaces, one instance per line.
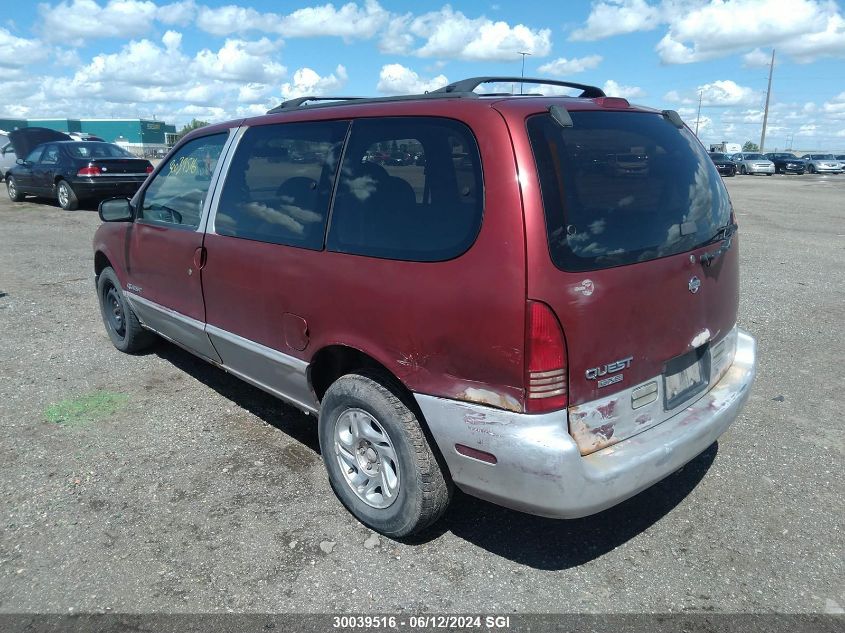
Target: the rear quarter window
pixel 410 188
pixel 620 188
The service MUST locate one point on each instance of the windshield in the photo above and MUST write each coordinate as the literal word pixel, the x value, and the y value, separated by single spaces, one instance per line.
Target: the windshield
pixel 754 157
pixel 620 188
pixel 719 157
pixel 97 150
pixel 823 157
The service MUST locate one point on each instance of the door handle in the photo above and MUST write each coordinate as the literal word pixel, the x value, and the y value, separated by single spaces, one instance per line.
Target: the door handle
pixel 200 258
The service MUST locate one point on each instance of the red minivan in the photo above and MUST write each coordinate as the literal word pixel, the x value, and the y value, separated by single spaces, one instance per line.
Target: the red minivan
pixel 539 308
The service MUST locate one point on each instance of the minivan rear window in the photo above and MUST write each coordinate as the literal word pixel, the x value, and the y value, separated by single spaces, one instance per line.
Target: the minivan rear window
pixel 621 187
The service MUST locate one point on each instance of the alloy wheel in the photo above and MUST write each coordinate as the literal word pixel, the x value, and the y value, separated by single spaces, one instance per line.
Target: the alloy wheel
pixel 367 458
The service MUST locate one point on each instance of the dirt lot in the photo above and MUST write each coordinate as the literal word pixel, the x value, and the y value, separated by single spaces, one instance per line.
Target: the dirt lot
pixel 159 483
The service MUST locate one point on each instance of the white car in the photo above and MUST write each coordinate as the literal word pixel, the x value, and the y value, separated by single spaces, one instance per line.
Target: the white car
pixel 7 155
pixel 753 163
pixel 822 164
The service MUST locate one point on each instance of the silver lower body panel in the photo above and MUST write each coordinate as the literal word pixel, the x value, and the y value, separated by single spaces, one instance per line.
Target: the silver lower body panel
pixel 539 468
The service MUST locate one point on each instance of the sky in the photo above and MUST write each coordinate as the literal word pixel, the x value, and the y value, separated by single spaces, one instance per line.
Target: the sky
pixel 215 60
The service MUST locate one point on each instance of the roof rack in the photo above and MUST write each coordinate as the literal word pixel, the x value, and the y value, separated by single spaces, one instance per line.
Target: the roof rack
pixel 459 90
pixel 468 85
pixel 292 104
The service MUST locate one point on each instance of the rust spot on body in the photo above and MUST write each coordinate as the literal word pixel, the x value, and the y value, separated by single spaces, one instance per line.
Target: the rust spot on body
pixel 605 430
pixel 607 410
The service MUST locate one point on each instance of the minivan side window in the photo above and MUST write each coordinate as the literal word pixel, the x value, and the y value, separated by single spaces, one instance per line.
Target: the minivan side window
pixel 410 188
pixel 177 193
pixel 279 183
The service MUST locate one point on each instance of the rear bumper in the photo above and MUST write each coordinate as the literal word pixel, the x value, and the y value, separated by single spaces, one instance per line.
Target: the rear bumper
pixel 539 468
pixel 106 187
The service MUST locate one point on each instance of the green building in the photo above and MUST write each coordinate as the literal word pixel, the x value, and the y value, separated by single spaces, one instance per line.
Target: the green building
pixel 140 136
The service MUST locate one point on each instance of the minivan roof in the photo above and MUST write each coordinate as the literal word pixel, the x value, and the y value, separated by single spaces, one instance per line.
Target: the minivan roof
pixel 450 100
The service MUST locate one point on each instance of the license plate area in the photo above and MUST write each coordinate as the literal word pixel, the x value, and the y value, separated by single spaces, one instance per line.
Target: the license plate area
pixel 686 376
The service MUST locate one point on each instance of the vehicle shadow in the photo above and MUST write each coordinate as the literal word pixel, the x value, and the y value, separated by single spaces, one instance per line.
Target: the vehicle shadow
pixel 554 544
pixel 273 411
pixel 529 540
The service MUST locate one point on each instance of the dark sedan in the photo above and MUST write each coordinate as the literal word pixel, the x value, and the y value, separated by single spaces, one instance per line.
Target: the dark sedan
pixel 70 171
pixel 723 163
pixel 786 163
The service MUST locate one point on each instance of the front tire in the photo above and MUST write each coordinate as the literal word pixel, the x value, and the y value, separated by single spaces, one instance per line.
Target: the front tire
pixel 67 198
pixel 743 171
pixel 15 194
pixel 379 463
pixel 122 324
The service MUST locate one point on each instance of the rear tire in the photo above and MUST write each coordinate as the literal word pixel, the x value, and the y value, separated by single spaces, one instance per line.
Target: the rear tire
pixel 66 196
pixel 379 463
pixel 15 194
pixel 122 325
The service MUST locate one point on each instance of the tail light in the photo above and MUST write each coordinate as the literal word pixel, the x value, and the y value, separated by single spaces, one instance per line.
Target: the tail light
pixel 546 386
pixel 91 170
pixel 149 169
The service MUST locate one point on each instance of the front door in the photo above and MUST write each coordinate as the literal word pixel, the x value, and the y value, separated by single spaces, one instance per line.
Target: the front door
pixel 44 170
pixel 165 253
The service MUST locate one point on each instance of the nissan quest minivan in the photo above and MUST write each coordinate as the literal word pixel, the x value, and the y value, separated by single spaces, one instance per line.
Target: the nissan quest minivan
pixel 539 306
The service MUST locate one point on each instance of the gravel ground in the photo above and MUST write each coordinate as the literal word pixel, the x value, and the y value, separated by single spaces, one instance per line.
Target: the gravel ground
pixel 178 488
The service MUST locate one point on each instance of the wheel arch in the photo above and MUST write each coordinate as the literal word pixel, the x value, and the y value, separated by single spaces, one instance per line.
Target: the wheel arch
pixel 335 360
pixel 101 261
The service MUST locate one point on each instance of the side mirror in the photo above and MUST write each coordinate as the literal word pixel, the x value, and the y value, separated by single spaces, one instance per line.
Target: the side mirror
pixel 21 161
pixel 115 210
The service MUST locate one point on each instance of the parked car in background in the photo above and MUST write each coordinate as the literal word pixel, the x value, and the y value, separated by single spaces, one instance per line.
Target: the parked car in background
pixel 7 155
pixel 823 164
pixel 724 164
pixel 786 163
pixel 69 171
pixel 753 163
pixel 84 136
pixel 552 338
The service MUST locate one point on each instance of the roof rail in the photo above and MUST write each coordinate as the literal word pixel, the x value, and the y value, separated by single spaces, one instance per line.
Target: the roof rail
pixel 468 85
pixel 292 104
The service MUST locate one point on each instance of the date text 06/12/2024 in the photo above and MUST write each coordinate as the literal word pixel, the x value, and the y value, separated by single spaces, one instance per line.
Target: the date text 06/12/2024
pixel 422 622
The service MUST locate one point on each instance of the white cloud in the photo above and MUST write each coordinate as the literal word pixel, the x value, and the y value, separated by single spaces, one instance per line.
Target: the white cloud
pixel 181 13
pixel 254 92
pixel 17 52
pixel 804 28
pixel 73 22
pixel 616 17
pixel 718 93
pixel 452 35
pixel 398 79
pixel 240 60
pixel 349 21
pixel 140 64
pixel 756 59
pixel 233 19
pixel 613 89
pixel 562 66
pixel 306 82
pixel 698 30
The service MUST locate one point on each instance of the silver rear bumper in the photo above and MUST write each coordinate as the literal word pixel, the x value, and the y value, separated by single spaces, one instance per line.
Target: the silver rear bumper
pixel 539 468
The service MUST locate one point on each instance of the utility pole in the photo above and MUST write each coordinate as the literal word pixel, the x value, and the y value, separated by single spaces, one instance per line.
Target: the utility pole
pixel 522 74
pixel 698 116
pixel 766 111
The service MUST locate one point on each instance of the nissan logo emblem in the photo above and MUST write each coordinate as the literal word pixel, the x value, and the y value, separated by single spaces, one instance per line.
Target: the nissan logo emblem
pixel 694 284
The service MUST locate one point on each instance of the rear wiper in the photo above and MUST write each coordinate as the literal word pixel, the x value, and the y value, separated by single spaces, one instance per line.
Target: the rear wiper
pixel 724 235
